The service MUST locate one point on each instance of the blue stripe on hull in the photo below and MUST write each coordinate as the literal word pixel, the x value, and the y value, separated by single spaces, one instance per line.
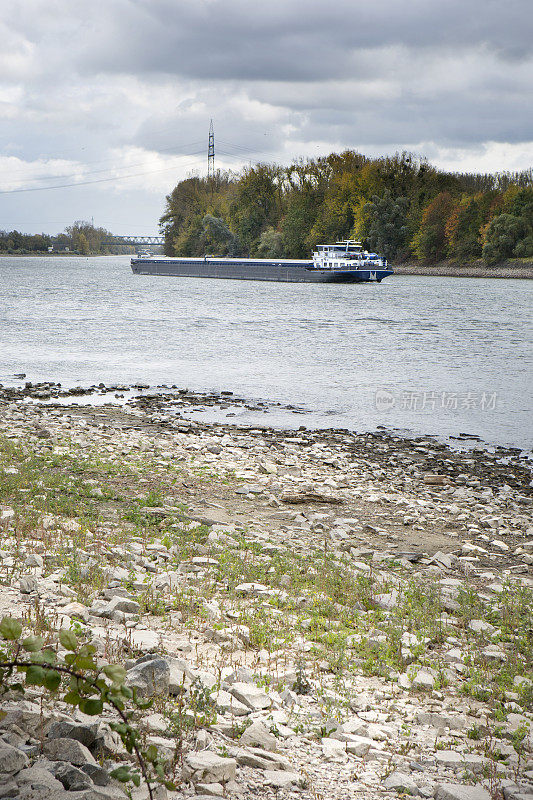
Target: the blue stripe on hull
pixel 287 271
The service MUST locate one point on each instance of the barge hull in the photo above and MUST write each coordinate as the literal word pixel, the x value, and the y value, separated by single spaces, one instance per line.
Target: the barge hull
pixel 254 270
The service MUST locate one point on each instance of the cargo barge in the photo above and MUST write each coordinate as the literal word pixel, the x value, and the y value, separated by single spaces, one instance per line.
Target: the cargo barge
pixel 342 262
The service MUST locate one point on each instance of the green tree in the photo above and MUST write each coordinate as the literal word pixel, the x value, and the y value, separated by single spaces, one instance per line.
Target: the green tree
pixel 511 233
pixel 254 207
pixel 501 237
pixel 270 244
pixel 217 236
pixel 297 223
pixel 388 230
pixel 182 223
pixel 86 238
pixel 82 245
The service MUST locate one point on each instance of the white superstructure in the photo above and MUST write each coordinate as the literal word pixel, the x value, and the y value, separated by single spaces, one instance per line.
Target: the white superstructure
pixel 346 255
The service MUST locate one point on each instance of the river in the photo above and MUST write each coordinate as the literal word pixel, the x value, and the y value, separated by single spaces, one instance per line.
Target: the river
pixel 430 355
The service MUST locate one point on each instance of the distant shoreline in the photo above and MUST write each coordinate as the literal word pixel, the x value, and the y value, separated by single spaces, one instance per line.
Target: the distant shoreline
pixel 63 255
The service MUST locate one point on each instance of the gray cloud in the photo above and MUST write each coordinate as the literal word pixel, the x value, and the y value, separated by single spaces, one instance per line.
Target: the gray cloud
pixel 292 41
pixel 115 81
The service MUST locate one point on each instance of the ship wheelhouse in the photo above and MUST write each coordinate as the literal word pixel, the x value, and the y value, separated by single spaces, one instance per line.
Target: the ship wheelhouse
pixel 345 255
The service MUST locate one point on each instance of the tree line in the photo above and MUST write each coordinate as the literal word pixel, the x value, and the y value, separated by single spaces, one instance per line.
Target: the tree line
pixel 401 207
pixel 81 238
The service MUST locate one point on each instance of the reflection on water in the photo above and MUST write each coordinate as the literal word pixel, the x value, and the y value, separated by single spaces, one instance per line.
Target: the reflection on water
pixel 452 353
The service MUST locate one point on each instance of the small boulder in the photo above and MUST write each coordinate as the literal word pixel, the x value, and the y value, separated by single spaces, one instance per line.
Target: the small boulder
pixel 423 680
pixel 123 604
pixel 401 782
pixel 453 791
pixel 87 734
pixel 436 480
pixel 207 767
pixel 333 750
pixel 258 735
pixel 72 778
pixel 250 695
pixel 70 750
pixel 11 759
pixel 27 584
pixel 39 781
pixel 282 779
pixel 149 676
pixel 227 704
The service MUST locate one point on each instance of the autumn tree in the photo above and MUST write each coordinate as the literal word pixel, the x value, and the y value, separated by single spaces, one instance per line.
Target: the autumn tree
pixel 86 238
pixel 430 241
pixel 397 204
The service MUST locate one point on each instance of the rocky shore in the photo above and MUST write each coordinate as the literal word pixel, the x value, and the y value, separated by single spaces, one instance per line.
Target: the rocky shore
pixel 521 268
pixel 321 615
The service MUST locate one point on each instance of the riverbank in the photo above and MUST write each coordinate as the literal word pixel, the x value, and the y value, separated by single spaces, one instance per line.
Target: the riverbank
pixel 337 615
pixel 515 268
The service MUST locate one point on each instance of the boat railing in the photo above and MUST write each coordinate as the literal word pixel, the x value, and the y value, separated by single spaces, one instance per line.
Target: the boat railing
pixel 346 262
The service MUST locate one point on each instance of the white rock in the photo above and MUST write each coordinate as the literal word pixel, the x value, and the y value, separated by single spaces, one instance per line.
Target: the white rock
pixel 250 695
pixel 480 626
pixel 76 611
pixel 387 602
pixel 211 790
pixel 282 778
pixel 207 767
pixel 258 735
pixel 251 589
pixel 359 745
pixel 228 704
pixel 333 750
pixel 494 653
pixel 423 680
pixel 27 584
pixel 409 639
pixel 453 791
pixel 404 681
pixel 400 781
pixel 34 560
pixel 459 761
pixel 212 610
pixel 145 640
pixel 499 545
pixel 454 656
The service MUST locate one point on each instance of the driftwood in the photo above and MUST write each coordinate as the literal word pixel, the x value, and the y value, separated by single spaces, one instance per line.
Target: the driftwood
pixel 309 497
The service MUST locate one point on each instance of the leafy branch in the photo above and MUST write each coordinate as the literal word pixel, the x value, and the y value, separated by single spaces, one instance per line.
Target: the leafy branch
pixel 85 685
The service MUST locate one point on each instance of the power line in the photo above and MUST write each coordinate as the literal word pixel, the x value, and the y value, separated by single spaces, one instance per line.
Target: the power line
pixel 98 171
pixel 249 149
pixel 87 183
pixel 240 156
pixel 98 161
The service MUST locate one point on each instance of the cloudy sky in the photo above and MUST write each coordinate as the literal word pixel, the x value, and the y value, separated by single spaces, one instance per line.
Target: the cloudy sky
pixel 115 96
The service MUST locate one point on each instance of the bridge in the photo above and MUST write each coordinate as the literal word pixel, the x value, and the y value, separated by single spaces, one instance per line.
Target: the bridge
pixel 158 240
